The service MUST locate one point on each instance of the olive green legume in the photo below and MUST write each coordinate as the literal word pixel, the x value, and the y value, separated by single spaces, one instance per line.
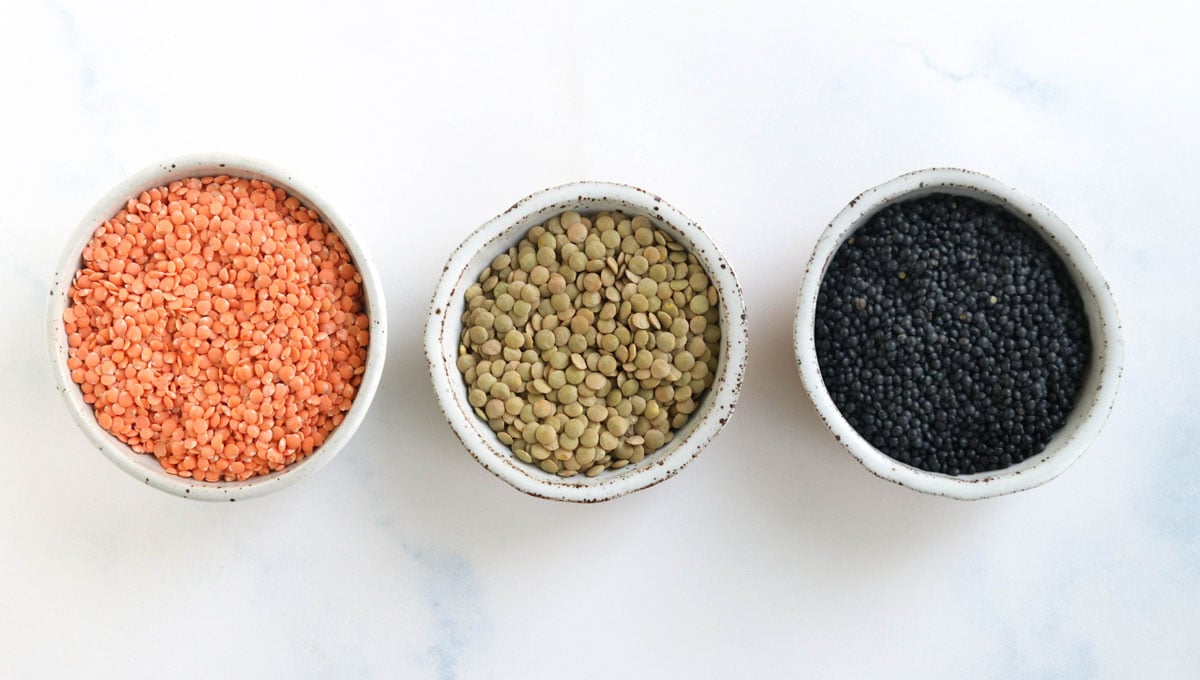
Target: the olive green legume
pixel 588 343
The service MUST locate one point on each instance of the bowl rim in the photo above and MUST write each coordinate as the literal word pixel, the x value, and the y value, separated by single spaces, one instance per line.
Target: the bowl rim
pixel 145 467
pixel 464 265
pixel 1094 404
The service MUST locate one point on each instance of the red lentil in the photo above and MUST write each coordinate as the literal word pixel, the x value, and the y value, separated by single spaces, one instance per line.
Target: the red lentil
pixel 219 325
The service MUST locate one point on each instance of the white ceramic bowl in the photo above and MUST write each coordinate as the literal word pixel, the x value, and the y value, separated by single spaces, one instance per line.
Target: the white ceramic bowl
pixel 1095 396
pixel 445 327
pixel 145 467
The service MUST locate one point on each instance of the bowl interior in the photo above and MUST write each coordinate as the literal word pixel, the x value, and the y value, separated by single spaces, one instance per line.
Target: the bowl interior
pixel 496 237
pixel 146 467
pixel 1096 394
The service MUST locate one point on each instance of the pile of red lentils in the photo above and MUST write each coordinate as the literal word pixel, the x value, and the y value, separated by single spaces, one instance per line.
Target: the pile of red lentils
pixel 219 325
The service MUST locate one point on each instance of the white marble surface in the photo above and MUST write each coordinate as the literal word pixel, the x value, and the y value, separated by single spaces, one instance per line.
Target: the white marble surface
pixel 774 554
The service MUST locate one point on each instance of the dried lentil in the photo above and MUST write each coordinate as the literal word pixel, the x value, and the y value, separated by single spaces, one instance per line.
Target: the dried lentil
pixel 951 336
pixel 620 321
pixel 217 324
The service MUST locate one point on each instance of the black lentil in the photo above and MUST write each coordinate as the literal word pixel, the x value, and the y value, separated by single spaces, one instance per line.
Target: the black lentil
pixel 950 335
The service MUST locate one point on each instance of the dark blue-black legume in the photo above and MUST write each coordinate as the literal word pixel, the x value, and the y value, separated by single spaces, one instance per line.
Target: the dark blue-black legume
pixel 951 336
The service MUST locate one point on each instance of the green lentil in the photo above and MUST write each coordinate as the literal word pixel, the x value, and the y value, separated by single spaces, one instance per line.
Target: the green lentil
pixel 477 397
pixel 587 344
pixel 608 441
pixel 585 456
pixel 559 360
pixel 567 394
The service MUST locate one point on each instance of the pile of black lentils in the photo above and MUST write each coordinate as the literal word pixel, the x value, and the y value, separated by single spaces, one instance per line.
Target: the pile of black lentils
pixel 950 335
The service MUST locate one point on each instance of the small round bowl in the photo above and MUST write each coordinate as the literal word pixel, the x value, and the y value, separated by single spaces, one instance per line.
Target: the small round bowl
pixel 1099 388
pixel 444 330
pixel 144 466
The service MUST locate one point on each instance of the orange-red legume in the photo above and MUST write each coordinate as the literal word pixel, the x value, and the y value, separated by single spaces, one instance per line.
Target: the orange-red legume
pixel 218 325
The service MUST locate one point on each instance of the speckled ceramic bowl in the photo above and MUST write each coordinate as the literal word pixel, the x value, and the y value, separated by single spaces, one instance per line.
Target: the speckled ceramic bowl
pixel 145 467
pixel 445 328
pixel 1100 385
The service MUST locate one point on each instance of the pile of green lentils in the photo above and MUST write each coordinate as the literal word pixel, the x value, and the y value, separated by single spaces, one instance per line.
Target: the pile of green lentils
pixel 587 345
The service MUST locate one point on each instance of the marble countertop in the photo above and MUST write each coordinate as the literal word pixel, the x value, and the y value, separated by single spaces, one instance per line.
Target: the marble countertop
pixel 774 554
